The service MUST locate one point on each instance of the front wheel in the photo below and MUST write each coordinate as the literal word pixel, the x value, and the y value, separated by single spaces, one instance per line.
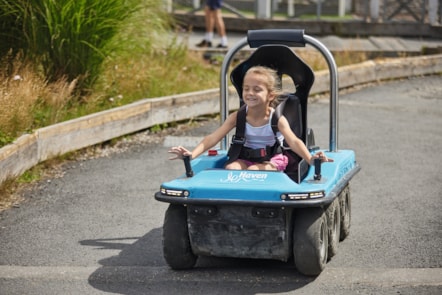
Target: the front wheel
pixel 310 241
pixel 176 243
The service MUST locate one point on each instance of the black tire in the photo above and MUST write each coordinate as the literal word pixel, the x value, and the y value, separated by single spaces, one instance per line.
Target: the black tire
pixel 176 243
pixel 310 241
pixel 345 204
pixel 334 227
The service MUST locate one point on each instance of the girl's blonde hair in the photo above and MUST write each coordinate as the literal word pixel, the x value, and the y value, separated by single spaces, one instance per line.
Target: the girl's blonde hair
pixel 273 83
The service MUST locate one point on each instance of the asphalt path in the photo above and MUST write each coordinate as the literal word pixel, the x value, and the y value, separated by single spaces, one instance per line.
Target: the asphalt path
pixel 97 229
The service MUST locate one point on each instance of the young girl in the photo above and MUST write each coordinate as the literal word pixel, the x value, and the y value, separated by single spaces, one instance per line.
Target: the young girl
pixel 259 91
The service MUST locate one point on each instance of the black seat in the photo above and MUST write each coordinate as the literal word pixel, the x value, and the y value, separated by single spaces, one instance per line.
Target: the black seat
pixel 285 62
pixel 293 105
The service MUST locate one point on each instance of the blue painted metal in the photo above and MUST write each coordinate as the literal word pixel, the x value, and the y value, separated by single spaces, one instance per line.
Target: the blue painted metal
pixel 216 185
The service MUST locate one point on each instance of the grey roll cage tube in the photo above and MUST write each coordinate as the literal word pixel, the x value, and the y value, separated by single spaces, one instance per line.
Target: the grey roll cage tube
pixel 291 38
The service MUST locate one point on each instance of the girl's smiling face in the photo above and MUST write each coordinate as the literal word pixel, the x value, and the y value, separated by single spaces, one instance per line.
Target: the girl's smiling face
pixel 255 91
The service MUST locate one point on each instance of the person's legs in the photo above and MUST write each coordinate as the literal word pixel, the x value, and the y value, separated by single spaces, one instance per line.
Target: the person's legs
pixel 277 162
pixel 262 166
pixel 220 27
pixel 214 18
pixel 210 25
pixel 241 164
pixel 238 165
pixel 210 21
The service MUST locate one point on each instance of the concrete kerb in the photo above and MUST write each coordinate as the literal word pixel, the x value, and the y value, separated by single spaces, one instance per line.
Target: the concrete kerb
pixel 96 128
pixel 18 157
pixel 55 140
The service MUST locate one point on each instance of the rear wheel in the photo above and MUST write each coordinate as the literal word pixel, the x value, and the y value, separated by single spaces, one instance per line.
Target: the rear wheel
pixel 310 241
pixel 176 243
pixel 345 204
pixel 334 227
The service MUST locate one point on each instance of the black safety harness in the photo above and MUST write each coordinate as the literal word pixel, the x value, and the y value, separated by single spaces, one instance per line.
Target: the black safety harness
pixel 239 151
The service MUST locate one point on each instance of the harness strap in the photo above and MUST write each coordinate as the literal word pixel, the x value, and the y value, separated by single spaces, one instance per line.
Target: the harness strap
pixel 237 149
pixel 239 138
pixel 260 155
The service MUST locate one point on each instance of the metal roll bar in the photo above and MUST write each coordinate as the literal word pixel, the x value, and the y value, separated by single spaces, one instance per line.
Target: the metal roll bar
pixel 291 38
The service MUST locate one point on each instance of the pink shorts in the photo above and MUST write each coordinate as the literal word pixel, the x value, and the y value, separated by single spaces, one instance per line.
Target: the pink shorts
pixel 279 161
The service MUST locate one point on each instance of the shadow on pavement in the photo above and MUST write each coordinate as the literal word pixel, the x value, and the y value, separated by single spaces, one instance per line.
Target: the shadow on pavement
pixel 140 269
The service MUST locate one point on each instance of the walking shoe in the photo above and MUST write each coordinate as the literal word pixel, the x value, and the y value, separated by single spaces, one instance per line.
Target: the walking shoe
pixel 222 46
pixel 204 43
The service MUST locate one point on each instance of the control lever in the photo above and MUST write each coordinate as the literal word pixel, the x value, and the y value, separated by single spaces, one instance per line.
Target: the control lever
pixel 317 162
pixel 189 171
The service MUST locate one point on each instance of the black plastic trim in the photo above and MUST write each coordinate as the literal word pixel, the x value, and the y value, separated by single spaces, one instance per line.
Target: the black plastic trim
pixel 288 37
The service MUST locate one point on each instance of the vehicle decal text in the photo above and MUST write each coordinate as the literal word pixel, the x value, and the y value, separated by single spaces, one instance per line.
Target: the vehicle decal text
pixel 234 177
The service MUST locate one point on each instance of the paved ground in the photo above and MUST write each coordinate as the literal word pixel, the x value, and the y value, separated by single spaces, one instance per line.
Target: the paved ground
pixel 386 45
pixel 97 229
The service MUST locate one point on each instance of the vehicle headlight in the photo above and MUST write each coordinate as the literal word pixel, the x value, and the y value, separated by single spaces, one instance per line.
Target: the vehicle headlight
pixel 302 196
pixel 174 192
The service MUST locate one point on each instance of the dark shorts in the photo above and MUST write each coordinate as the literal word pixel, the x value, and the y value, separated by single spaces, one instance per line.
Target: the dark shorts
pixel 214 4
pixel 279 161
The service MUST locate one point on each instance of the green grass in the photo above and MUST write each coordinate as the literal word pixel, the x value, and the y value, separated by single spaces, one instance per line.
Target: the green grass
pixel 67 38
pixel 73 58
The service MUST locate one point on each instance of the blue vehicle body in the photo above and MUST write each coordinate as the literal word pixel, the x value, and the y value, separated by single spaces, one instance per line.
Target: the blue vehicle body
pixel 264 214
pixel 213 184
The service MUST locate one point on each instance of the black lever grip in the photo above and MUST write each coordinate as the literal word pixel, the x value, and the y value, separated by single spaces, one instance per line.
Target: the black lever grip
pixel 317 162
pixel 189 171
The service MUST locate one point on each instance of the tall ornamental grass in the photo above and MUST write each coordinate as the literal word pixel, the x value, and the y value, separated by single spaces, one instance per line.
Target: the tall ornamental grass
pixel 68 38
pixel 142 59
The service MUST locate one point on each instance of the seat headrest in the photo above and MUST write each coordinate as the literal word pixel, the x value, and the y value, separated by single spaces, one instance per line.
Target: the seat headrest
pixel 280 58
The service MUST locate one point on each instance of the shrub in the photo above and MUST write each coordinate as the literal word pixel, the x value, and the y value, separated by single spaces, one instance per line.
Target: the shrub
pixel 143 59
pixel 69 38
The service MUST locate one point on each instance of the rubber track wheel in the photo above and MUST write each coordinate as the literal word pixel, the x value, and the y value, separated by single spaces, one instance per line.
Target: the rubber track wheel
pixel 334 227
pixel 310 241
pixel 345 204
pixel 176 243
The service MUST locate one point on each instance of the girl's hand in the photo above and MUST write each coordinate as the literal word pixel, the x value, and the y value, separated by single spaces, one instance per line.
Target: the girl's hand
pixel 321 156
pixel 179 152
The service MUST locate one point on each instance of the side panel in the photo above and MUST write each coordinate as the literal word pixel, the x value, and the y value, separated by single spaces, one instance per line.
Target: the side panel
pixel 240 231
